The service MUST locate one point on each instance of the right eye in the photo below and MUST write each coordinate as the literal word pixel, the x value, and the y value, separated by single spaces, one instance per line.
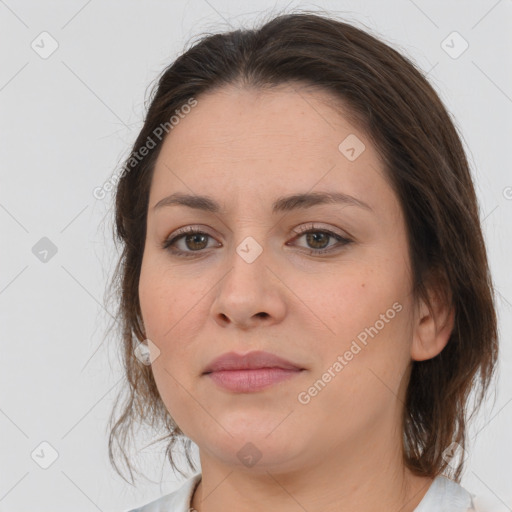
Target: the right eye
pixel 194 239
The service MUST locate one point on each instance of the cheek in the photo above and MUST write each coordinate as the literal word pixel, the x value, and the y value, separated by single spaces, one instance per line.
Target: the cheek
pixel 174 311
pixel 167 318
pixel 165 301
pixel 365 312
pixel 361 376
pixel 346 302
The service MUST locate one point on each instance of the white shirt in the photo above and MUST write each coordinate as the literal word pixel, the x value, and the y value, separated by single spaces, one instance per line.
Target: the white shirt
pixel 443 495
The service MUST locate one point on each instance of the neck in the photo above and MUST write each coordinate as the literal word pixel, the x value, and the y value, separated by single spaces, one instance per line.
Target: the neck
pixel 340 483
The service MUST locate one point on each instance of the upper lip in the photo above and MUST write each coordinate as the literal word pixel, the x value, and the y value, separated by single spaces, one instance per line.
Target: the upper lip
pixel 249 361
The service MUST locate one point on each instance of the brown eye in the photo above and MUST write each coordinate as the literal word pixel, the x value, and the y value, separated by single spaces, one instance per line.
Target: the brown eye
pixel 194 241
pixel 318 240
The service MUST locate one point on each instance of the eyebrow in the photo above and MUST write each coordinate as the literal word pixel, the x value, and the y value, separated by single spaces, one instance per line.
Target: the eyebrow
pixel 281 204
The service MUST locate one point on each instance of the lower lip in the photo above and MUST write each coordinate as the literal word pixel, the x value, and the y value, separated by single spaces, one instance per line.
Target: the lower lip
pixel 247 381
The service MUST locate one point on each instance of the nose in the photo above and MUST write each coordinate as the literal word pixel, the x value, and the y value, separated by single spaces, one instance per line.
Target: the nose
pixel 250 293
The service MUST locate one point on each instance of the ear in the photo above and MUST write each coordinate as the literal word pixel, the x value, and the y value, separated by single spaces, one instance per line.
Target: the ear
pixel 432 327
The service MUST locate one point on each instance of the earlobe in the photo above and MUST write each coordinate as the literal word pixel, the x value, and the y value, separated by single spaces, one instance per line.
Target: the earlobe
pixel 432 328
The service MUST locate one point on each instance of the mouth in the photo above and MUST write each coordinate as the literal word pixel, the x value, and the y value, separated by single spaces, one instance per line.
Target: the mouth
pixel 251 372
pixel 249 381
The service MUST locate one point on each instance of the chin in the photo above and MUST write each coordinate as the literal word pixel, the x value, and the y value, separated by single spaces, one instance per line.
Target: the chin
pixel 253 449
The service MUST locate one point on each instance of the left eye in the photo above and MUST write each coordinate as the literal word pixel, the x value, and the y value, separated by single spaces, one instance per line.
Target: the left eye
pixel 196 241
pixel 319 240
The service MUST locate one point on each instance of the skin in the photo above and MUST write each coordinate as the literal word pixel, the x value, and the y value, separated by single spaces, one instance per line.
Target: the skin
pixel 342 450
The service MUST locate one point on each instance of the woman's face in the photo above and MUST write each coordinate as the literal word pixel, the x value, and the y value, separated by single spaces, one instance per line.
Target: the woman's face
pixel 252 282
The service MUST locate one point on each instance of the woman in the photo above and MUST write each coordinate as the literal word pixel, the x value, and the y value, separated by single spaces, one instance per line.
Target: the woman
pixel 304 266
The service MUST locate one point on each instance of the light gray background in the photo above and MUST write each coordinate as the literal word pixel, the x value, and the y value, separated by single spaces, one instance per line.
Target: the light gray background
pixel 66 123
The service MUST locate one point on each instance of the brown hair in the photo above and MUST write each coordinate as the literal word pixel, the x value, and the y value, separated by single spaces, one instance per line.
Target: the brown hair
pixel 393 103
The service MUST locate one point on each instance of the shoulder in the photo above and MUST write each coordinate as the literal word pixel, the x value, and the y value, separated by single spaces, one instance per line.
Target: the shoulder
pixel 177 501
pixel 446 495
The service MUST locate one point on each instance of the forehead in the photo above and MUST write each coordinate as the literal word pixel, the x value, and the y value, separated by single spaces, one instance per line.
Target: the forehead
pixel 253 123
pixel 266 143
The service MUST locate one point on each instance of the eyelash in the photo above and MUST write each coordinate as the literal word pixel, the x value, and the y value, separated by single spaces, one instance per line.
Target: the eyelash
pixel 167 244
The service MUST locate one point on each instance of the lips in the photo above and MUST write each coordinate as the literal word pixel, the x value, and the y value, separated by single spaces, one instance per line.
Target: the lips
pixel 250 373
pixel 251 361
